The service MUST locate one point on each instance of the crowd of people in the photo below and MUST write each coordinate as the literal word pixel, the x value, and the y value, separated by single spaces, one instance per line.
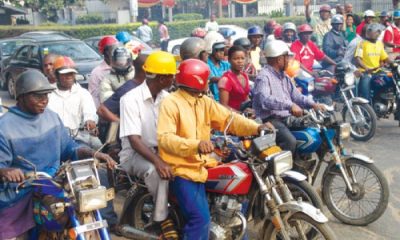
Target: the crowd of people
pixel 166 111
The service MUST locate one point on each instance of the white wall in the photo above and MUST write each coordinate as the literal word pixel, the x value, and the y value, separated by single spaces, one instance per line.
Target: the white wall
pixel 267 6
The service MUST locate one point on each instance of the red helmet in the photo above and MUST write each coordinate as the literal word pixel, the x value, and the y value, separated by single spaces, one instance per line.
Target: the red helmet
pixel 304 28
pixel 199 32
pixel 106 41
pixel 278 31
pixel 193 73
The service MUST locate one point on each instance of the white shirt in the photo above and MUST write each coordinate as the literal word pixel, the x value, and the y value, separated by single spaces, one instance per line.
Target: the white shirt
pixel 75 106
pixel 145 33
pixel 212 26
pixel 139 116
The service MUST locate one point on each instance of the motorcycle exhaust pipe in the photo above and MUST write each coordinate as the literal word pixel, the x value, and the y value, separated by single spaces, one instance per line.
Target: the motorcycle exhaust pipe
pixel 134 233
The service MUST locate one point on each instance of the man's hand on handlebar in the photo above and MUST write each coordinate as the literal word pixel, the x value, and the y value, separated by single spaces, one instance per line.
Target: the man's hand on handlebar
pixel 111 164
pixel 266 126
pixel 12 175
pixel 205 147
pixel 319 107
pixel 296 110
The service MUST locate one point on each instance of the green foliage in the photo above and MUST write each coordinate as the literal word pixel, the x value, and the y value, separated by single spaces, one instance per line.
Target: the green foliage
pixel 276 13
pixel 89 19
pixel 21 21
pixel 176 29
pixel 187 16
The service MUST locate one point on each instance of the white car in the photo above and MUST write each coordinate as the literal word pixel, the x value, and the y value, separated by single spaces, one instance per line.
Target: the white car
pixel 174 46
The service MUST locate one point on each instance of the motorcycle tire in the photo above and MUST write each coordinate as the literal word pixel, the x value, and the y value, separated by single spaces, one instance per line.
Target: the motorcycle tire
pixel 305 191
pixel 338 209
pixel 368 114
pixel 322 229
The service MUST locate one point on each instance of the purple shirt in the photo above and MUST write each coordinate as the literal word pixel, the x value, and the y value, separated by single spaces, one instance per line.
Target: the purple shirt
pixel 274 94
pixel 96 76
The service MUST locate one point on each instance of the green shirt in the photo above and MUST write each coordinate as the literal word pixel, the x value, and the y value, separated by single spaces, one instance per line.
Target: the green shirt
pixel 350 33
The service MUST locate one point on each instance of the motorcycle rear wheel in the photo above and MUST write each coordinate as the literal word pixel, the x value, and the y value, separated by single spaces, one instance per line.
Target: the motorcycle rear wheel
pixel 350 208
pixel 368 128
pixel 315 230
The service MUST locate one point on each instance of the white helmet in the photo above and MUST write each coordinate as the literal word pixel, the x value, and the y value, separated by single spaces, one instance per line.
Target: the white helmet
pixel 369 13
pixel 289 26
pixel 276 48
pixel 213 39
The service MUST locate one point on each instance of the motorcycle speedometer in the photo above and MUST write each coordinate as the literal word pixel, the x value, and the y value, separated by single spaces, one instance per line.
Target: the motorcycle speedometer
pixel 349 79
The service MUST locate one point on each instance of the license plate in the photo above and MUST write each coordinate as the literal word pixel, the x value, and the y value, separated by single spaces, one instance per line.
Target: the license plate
pixel 91 226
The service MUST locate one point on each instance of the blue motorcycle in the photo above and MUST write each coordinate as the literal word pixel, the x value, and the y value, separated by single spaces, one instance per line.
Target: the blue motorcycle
pixel 353 188
pixel 67 206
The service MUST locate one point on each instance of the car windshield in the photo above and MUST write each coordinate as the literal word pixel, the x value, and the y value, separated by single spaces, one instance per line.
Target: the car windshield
pixel 9 47
pixel 78 51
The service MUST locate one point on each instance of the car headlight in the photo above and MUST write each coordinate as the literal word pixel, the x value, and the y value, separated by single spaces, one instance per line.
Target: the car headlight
pixel 310 87
pixel 349 79
pixel 79 77
pixel 92 199
pixel 281 162
pixel 345 130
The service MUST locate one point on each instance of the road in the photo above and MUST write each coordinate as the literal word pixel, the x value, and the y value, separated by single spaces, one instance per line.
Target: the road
pixel 384 148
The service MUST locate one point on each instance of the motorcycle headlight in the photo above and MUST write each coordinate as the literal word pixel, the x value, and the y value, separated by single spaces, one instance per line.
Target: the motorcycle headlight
pixel 310 87
pixel 345 131
pixel 92 199
pixel 281 162
pixel 349 79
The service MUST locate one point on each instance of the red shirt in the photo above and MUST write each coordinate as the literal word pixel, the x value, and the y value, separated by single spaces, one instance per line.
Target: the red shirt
pixel 360 27
pixel 392 35
pixel 306 54
pixel 237 93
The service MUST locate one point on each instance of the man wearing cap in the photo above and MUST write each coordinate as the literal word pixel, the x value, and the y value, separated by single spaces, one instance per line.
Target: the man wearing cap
pixel 144 32
pixel 391 37
pixel 34 132
pixel 321 25
pixel 369 17
pixel 276 98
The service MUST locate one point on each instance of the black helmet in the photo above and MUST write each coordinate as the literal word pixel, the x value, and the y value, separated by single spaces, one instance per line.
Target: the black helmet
pixel 121 60
pixel 243 42
pixel 32 81
pixel 192 47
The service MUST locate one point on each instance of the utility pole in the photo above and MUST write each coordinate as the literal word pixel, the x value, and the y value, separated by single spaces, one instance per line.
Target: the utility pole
pixel 220 9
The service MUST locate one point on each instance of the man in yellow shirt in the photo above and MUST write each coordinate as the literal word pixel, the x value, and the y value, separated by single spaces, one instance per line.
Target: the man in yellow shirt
pixel 185 121
pixel 370 55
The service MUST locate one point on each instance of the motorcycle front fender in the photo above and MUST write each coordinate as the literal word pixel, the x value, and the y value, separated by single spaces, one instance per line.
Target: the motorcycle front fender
pixel 358 100
pixel 358 156
pixel 294 176
pixel 306 208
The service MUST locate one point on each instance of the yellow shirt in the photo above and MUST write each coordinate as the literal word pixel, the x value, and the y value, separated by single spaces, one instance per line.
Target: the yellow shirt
pixel 183 122
pixel 255 58
pixel 371 54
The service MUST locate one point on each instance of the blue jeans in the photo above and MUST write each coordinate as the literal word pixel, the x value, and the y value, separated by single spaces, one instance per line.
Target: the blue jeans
pixel 193 204
pixel 108 212
pixel 364 86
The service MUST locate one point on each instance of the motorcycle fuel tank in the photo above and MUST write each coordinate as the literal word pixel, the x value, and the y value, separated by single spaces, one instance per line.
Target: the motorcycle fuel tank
pixel 232 178
pixel 308 140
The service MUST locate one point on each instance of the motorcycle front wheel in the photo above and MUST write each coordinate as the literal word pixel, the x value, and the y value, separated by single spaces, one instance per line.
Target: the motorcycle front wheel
pixel 300 226
pixel 303 190
pixel 368 200
pixel 364 126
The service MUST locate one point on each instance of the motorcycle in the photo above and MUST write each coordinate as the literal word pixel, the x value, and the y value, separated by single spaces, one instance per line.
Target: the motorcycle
pixel 249 188
pixel 338 88
pixel 67 205
pixel 385 92
pixel 353 188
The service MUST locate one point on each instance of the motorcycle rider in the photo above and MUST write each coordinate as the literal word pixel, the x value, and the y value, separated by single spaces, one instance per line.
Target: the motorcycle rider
pixel 306 51
pixel 194 47
pixel 121 72
pixel 40 137
pixel 185 121
pixel 139 115
pixel 248 66
pixel 255 35
pixel 391 37
pixel 321 25
pixel 334 43
pixel 74 104
pixel 289 33
pixel 48 68
pixel 369 17
pixel 106 44
pixel 215 46
pixel 370 56
pixel 276 98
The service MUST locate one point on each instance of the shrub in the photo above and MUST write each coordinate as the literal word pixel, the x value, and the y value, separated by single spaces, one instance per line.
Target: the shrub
pixel 21 21
pixel 89 19
pixel 277 13
pixel 187 16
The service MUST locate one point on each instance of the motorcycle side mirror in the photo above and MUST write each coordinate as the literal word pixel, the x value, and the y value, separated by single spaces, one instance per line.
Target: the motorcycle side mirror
pixel 228 125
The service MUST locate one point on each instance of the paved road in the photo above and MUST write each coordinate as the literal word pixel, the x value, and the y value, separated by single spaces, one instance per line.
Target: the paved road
pixel 384 148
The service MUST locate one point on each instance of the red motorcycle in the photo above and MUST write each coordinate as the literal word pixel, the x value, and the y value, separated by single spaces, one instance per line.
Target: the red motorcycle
pixel 247 189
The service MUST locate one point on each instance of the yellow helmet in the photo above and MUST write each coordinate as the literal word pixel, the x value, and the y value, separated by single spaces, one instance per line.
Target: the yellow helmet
pixel 160 62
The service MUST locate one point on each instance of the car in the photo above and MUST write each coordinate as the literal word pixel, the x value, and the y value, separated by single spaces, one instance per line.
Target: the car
pixel 8 46
pixel 93 42
pixel 46 35
pixel 175 45
pixel 30 56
